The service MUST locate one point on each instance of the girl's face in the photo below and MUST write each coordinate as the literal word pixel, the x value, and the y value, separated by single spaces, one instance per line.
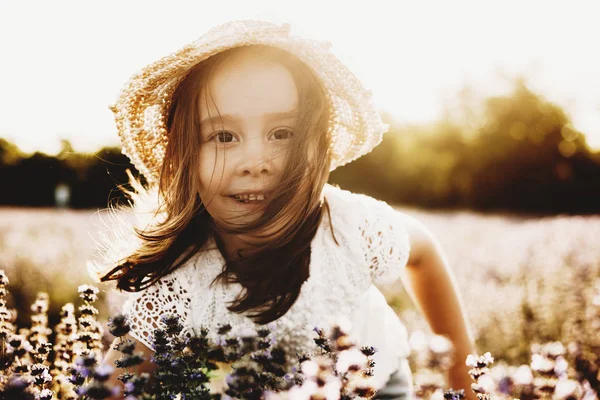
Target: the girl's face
pixel 244 145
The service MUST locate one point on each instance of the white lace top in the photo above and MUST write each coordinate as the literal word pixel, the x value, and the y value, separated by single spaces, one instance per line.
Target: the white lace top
pixel 374 248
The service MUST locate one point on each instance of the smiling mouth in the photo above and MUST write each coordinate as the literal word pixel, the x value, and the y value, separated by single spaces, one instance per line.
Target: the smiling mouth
pixel 246 201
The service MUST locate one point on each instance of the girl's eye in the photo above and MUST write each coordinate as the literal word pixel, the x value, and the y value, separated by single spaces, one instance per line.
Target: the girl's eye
pixel 283 134
pixel 223 137
pixel 228 137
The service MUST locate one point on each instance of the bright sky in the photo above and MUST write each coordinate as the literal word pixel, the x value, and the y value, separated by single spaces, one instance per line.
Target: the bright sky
pixel 63 62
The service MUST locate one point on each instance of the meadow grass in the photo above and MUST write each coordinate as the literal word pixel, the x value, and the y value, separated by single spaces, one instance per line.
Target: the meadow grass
pixel 524 281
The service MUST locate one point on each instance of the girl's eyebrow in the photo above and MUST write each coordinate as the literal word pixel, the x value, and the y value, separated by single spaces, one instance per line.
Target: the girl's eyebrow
pixel 209 121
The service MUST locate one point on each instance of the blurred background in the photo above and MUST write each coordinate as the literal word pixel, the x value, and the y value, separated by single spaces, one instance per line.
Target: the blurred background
pixel 494 141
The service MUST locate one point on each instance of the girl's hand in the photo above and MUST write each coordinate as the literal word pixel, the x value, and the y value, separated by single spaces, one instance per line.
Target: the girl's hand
pixel 459 378
pixel 217 383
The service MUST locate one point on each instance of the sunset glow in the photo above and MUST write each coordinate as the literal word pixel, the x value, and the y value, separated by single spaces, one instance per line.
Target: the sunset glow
pixel 64 62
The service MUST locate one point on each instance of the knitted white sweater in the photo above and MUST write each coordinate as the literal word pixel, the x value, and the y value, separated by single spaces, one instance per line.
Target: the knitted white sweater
pixel 374 248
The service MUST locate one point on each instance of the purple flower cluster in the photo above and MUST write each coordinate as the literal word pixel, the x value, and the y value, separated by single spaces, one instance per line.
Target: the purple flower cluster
pixel 186 364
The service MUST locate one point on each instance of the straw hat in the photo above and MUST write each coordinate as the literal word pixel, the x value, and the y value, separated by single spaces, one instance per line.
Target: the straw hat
pixel 141 108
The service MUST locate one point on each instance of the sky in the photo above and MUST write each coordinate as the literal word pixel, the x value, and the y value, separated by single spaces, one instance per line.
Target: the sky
pixel 62 63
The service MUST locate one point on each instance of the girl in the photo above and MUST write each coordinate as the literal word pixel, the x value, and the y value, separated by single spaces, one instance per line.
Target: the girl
pixel 236 134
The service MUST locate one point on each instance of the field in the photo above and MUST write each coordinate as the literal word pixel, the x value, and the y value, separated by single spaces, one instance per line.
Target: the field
pixel 523 280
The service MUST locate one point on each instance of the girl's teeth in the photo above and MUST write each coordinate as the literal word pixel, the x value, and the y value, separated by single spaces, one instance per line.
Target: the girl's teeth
pixel 251 197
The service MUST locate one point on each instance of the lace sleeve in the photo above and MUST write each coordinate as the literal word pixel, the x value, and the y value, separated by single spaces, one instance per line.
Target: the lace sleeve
pixel 144 309
pixel 384 240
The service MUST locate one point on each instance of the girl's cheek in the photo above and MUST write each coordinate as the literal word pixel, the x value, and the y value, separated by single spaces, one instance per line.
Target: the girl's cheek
pixel 209 155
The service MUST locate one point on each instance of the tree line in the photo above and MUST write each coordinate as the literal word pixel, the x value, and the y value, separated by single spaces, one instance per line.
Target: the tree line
pixel 521 154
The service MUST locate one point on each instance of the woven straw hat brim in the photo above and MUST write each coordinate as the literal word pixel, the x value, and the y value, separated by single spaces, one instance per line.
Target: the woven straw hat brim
pixel 142 106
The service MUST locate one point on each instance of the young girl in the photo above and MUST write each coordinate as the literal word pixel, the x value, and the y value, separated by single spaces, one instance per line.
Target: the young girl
pixel 236 135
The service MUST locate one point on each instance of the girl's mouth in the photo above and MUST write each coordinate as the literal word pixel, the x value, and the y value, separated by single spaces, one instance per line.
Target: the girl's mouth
pixel 246 203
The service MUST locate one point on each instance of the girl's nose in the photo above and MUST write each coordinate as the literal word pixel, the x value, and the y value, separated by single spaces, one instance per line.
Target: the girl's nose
pixel 259 168
pixel 257 159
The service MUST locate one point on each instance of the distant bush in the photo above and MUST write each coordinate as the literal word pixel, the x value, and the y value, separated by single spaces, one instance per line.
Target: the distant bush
pixel 91 179
pixel 521 155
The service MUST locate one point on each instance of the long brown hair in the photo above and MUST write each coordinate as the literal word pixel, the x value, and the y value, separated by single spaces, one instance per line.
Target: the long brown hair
pixel 272 271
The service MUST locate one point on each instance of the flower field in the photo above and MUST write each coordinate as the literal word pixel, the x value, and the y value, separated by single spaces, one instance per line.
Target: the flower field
pixel 531 287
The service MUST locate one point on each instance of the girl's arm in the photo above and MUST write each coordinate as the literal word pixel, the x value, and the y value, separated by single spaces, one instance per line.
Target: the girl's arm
pixel 431 285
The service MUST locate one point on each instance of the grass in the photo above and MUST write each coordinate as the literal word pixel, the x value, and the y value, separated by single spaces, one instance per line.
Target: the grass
pixel 524 280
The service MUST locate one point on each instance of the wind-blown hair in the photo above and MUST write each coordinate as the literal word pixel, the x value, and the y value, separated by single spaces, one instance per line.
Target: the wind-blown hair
pixel 272 269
